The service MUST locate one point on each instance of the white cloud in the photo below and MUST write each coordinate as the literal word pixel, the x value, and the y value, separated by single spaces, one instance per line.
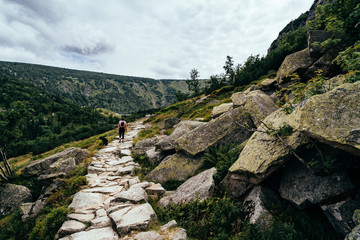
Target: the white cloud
pixel 159 39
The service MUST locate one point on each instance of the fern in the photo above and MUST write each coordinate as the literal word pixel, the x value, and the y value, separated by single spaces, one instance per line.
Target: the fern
pixel 221 157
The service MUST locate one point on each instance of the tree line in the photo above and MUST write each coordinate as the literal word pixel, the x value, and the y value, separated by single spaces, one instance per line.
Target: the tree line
pixel 33 120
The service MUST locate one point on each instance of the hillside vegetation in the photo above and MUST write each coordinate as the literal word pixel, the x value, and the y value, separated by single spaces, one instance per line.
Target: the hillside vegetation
pixel 33 120
pixel 121 94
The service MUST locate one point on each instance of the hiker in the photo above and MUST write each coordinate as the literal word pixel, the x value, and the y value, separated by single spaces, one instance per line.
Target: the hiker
pixel 122 129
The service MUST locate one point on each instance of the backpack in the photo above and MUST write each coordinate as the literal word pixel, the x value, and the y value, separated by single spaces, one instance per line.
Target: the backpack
pixel 122 124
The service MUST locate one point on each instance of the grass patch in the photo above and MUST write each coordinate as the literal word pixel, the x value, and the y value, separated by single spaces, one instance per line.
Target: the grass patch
pixel 214 218
pixel 146 167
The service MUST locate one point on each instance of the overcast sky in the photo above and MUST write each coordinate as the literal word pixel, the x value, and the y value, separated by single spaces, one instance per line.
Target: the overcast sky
pixel 146 38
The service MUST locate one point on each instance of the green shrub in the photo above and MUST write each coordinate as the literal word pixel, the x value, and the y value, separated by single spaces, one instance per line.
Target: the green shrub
pixel 221 157
pixel 214 218
pixel 14 228
pixel 146 167
pixel 290 223
pixel 47 227
pixel 74 184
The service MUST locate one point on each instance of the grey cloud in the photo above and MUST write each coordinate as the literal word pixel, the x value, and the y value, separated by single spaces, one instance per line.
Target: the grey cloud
pixel 99 48
pixel 47 10
pixel 149 38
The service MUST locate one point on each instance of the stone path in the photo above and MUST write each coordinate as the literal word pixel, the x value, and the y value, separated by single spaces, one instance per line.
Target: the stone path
pixel 114 204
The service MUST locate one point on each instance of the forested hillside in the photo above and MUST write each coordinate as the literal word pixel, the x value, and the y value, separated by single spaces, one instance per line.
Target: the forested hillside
pixel 33 120
pixel 121 94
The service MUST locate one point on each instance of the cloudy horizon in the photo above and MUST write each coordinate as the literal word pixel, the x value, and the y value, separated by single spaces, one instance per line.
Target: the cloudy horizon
pixel 156 39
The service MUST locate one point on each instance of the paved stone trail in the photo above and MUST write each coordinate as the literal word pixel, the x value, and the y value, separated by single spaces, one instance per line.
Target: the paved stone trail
pixel 115 201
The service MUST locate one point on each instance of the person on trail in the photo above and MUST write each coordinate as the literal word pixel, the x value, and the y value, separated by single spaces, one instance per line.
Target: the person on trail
pixel 122 129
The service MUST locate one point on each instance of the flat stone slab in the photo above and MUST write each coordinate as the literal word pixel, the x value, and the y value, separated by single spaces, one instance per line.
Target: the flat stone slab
pixel 134 194
pixel 70 227
pixel 138 218
pixel 101 222
pixel 150 235
pixel 81 217
pixel 125 159
pixel 155 189
pixel 125 170
pixel 87 201
pixel 95 234
pixel 126 152
pixel 105 190
pixel 108 150
pixel 93 169
pixel 126 145
pixel 117 215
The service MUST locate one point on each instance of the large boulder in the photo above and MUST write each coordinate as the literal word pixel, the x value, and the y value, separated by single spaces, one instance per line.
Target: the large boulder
pixel 168 123
pixel 144 145
pixel 256 103
pixel 297 63
pixel 12 196
pixel 223 108
pixel 175 168
pixel 229 127
pixel 154 156
pixel 42 167
pixel 301 187
pixel 198 187
pixel 332 118
pixel 324 63
pixel 268 84
pixel 355 233
pixel 257 203
pixel 340 214
pixel 264 153
pixel 234 185
pixel 168 143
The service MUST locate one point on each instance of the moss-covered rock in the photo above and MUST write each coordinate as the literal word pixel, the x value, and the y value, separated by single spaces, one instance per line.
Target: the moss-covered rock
pixel 199 187
pixel 223 108
pixel 221 130
pixel 168 143
pixel 264 153
pixel 256 103
pixel 12 196
pixel 175 168
pixel 168 123
pixel 42 167
pixel 332 118
pixel 297 62
pixel 268 84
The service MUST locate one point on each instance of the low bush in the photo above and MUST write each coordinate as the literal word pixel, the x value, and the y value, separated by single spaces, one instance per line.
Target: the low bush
pixel 214 218
pixel 47 227
pixel 221 157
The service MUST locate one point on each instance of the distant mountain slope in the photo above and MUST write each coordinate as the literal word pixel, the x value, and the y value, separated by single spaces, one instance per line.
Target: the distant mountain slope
pixel 121 94
pixel 33 120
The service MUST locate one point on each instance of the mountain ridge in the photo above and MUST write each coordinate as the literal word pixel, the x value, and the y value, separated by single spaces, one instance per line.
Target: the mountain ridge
pixel 118 93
